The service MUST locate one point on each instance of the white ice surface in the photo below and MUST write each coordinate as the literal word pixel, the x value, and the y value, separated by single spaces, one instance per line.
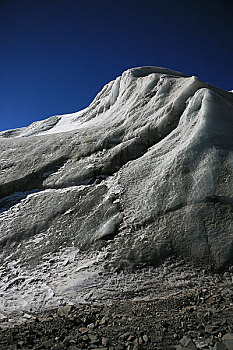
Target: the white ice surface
pixel 66 123
pixel 68 275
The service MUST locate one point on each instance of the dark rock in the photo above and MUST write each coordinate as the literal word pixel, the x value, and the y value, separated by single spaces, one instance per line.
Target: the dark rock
pixel 93 338
pixel 119 347
pixel 103 320
pixel 64 310
pixel 125 335
pixel 188 343
pixel 228 341
pixel 219 346
pixel 83 330
pixel 105 341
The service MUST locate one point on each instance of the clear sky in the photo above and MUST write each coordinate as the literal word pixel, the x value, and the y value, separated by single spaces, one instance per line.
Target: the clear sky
pixel 55 55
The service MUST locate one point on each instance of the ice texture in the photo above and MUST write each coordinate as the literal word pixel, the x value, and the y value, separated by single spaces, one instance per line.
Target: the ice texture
pixel 142 174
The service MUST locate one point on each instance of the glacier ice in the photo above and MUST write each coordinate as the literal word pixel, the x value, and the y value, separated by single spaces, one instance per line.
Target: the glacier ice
pixel 143 173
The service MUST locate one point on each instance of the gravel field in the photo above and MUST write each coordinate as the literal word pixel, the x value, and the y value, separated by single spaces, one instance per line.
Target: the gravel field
pixel 185 317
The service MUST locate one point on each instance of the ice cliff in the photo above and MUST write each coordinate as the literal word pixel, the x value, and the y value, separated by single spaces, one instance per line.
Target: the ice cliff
pixel 143 173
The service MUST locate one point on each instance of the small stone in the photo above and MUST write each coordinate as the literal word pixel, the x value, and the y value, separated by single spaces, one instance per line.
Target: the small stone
pixel 93 338
pixel 130 337
pixel 105 341
pixel 64 310
pixel 119 347
pixel 219 346
pixel 68 308
pixel 145 338
pixel 208 329
pixel 228 341
pixel 140 341
pixel 27 316
pixel 66 262
pixel 103 320
pixel 48 343
pixel 125 335
pixel 83 330
pixel 2 318
pixel 188 343
pixel 226 292
pixel 91 325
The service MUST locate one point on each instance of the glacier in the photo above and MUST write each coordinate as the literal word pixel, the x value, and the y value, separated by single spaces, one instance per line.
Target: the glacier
pixel 144 173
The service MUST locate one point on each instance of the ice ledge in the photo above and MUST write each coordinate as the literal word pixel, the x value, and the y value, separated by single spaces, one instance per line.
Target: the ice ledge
pixel 138 72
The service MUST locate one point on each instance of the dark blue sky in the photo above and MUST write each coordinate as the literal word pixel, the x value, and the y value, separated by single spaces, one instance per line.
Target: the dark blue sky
pixel 57 54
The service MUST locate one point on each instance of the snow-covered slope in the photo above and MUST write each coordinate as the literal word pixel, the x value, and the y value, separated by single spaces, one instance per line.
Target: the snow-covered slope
pixel 143 173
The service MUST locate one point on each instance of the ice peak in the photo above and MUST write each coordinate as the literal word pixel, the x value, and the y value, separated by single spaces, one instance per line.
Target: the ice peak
pixel 146 70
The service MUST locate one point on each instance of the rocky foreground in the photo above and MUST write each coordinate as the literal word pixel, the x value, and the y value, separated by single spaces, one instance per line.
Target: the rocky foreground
pixel 193 318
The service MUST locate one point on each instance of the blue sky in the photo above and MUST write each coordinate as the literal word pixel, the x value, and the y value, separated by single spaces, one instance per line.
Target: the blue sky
pixel 57 54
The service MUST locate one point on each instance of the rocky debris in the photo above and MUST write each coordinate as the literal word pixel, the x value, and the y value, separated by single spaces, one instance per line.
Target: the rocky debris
pixel 200 318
